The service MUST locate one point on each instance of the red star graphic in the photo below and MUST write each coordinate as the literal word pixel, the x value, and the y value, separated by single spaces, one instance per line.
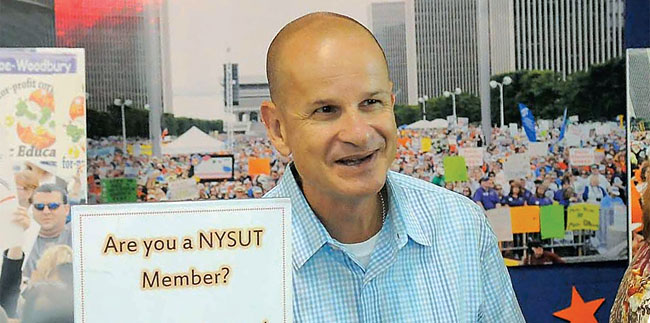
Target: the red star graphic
pixel 579 311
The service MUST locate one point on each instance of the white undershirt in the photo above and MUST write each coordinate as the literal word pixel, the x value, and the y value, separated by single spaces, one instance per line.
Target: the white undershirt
pixel 362 250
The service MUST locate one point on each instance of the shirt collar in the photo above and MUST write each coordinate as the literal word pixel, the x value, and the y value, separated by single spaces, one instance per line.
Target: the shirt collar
pixel 309 234
pixel 405 218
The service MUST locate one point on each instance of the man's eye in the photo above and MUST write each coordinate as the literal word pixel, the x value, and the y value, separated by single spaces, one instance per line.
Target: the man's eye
pixel 370 102
pixel 325 109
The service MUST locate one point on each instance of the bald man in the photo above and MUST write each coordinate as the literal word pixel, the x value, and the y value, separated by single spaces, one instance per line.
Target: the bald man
pixel 369 245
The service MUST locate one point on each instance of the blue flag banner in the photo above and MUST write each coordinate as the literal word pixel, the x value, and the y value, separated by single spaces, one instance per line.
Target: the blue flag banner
pixel 528 122
pixel 564 123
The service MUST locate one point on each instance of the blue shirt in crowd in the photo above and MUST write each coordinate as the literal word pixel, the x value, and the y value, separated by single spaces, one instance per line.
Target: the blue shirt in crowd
pixel 420 270
pixel 513 201
pixel 540 201
pixel 488 198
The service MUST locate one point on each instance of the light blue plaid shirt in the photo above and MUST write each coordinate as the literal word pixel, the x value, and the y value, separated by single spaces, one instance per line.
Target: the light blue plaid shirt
pixel 436 260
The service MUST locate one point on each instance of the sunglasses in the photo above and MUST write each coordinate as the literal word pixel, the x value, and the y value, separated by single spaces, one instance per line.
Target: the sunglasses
pixel 52 206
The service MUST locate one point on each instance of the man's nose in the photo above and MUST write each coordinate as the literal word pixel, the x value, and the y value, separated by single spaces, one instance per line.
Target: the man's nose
pixel 356 128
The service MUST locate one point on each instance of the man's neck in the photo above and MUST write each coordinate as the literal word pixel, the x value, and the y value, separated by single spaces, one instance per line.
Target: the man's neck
pixel 50 234
pixel 348 220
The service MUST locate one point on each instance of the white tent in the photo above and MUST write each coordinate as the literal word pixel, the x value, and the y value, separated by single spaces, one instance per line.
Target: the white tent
pixel 420 124
pixel 439 123
pixel 193 141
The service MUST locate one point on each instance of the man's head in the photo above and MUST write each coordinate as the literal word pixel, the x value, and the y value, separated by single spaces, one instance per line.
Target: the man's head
pixel 537 248
pixel 484 182
pixel 332 105
pixel 51 208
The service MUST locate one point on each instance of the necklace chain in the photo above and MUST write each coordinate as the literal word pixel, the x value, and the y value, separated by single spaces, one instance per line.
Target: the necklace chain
pixel 383 208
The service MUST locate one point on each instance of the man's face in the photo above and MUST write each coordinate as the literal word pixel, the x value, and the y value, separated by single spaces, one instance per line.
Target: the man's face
pixel 336 114
pixel 538 251
pixel 51 220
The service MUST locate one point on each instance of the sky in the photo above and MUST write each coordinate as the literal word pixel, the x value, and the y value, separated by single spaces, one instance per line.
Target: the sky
pixel 201 31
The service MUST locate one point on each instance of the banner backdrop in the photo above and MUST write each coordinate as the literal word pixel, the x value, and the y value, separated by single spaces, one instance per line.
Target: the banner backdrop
pixel 43 129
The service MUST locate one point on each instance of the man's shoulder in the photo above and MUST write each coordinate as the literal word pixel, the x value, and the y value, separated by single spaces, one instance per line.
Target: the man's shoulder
pixel 428 201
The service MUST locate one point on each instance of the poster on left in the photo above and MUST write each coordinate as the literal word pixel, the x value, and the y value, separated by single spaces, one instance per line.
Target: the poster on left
pixel 43 131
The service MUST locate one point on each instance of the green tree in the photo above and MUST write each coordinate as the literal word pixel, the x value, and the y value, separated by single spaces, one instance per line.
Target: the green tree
pixel 540 91
pixel 599 93
pixel 407 114
pixel 467 105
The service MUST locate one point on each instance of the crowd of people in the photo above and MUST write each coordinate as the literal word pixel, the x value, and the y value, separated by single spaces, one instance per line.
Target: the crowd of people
pixel 154 174
pixel 552 179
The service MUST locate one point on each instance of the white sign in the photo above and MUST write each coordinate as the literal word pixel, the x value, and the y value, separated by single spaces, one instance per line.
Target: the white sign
pixel 517 166
pixel 500 222
pixel 463 122
pixel 582 156
pixel 451 121
pixel 473 156
pixel 183 262
pixel 182 190
pixel 215 167
pixel 572 140
pixel 538 149
pixel 513 129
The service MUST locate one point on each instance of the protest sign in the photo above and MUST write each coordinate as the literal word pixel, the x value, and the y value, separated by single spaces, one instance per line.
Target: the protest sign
pixel 425 144
pixel 583 216
pixel 455 169
pixel 183 262
pixel 581 156
pixel 500 222
pixel 517 166
pixel 463 122
pixel 131 172
pixel 119 190
pixel 538 149
pixel 182 190
pixel 551 220
pixel 451 121
pixel 215 167
pixel 259 166
pixel 513 129
pixel 473 156
pixel 524 219
pixel 403 141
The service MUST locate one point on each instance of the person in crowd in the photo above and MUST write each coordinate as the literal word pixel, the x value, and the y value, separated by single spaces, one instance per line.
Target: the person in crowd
pixel 538 256
pixel 350 209
pixel 49 302
pixel 240 192
pixel 486 196
pixel 540 198
pixel 515 197
pixel 467 192
pixel 50 204
pixel 594 192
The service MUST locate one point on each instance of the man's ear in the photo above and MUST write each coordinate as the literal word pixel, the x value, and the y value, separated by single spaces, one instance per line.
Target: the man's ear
pixel 274 127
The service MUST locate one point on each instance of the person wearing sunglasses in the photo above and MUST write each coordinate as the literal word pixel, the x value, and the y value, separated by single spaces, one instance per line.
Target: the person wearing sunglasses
pixel 50 204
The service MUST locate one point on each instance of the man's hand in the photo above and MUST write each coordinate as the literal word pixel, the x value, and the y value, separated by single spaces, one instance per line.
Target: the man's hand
pixel 21 218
